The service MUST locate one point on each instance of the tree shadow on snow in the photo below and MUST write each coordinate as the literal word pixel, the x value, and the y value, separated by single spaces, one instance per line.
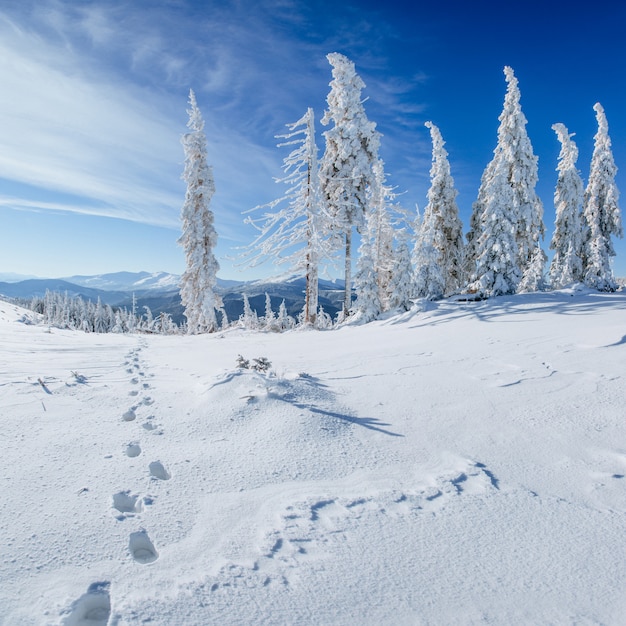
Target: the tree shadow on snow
pixel 367 422
pixel 313 389
pixel 562 302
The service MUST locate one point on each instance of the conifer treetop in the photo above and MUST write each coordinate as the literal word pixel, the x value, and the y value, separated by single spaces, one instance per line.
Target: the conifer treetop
pixel 569 150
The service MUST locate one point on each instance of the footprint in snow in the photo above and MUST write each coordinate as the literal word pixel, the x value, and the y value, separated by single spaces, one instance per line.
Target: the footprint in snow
pixel 126 503
pixel 133 449
pixel 130 415
pixel 141 548
pixel 158 471
pixel 92 608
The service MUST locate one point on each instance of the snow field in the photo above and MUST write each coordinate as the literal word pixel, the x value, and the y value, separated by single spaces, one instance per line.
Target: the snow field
pixel 462 464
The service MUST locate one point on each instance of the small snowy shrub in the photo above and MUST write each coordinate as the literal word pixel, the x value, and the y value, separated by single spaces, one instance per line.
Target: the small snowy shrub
pixel 243 363
pixel 260 364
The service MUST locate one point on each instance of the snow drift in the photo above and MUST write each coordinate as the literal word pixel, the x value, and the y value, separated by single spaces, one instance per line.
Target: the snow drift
pixel 461 464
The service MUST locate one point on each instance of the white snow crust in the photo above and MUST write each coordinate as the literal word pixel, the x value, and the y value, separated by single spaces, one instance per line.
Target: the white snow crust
pixel 462 464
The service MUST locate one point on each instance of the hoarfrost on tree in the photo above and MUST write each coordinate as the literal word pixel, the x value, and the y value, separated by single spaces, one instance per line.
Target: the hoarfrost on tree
pixel 376 262
pixel 199 237
pixel 601 210
pixel 507 220
pixel 367 306
pixel 438 253
pixel 401 287
pixel 346 166
pixel 294 228
pixel 567 240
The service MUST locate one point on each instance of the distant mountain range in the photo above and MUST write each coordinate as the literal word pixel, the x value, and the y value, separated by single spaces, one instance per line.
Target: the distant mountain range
pixel 160 292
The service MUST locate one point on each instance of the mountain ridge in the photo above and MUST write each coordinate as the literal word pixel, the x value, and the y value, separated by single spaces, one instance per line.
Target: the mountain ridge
pixel 160 292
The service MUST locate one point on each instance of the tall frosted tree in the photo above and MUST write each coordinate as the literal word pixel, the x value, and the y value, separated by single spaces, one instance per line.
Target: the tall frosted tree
pixel 401 286
pixel 382 228
pixel 507 218
pixel 439 246
pixel 601 211
pixel 199 237
pixel 567 240
pixel 367 306
pixel 293 229
pixel 346 166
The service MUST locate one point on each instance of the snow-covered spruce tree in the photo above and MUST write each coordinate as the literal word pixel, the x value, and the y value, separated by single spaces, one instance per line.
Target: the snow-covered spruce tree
pixel 402 281
pixel 376 260
pixel 295 233
pixel 385 226
pixel 601 211
pixel 567 241
pixel 198 232
pixel 507 219
pixel 439 245
pixel 269 321
pixel 346 166
pixel 249 318
pixel 533 277
pixel 284 321
pixel 429 280
pixel 367 306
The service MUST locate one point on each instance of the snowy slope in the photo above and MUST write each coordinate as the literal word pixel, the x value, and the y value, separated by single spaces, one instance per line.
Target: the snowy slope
pixel 464 464
pixel 129 281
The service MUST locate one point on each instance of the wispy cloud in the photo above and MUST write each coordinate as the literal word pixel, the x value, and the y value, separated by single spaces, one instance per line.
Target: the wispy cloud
pixel 97 92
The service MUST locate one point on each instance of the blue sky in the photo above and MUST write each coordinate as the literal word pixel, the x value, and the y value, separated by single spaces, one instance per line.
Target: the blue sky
pixel 94 98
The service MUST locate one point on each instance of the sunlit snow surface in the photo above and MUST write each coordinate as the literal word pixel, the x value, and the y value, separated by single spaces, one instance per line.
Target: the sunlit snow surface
pixel 463 464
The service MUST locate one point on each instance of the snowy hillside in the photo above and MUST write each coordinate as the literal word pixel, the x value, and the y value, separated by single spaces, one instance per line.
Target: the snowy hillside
pixel 129 281
pixel 464 464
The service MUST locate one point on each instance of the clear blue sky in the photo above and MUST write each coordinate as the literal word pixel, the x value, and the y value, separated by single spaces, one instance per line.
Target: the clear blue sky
pixel 94 98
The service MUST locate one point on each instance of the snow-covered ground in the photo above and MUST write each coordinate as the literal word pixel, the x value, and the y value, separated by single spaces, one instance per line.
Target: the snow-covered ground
pixel 464 464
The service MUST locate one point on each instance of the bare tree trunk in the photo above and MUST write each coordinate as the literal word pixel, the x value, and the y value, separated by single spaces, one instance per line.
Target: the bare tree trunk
pixel 311 297
pixel 347 302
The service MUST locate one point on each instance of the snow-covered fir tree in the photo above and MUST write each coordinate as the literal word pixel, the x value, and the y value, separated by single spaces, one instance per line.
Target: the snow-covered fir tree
pixel 346 166
pixel 293 230
pixel 269 321
pixel 533 277
pixel 376 261
pixel 367 306
pixel 63 311
pixel 507 219
pixel 601 211
pixel 429 280
pixel 249 318
pixel 494 248
pixel 567 240
pixel 199 237
pixel 284 321
pixel 401 288
pixel 383 227
pixel 439 245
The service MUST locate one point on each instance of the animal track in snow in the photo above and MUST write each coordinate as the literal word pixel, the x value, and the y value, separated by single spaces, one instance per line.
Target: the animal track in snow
pixel 126 503
pixel 130 415
pixel 158 471
pixel 129 504
pixel 310 529
pixel 92 608
pixel 134 392
pixel 133 449
pixel 141 548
